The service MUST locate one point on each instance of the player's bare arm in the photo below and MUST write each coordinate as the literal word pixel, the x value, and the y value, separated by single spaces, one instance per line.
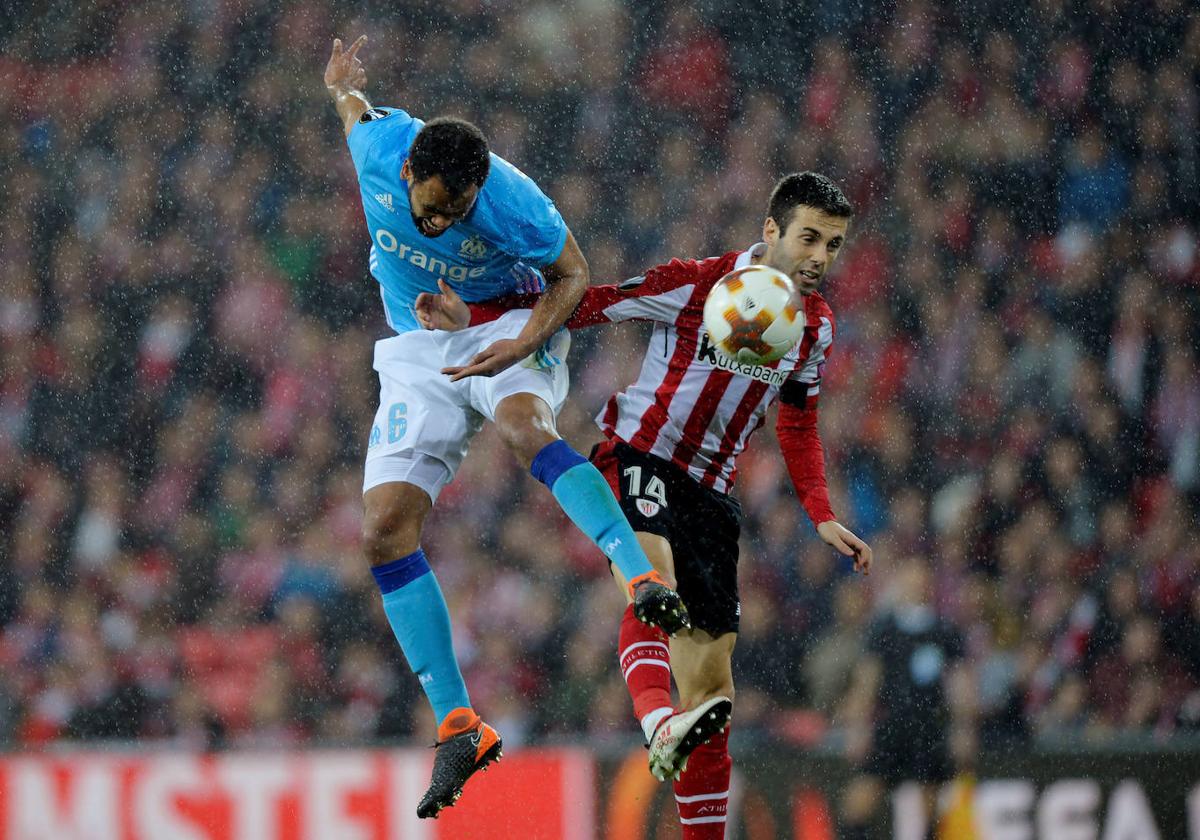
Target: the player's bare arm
pixel 344 79
pixel 566 281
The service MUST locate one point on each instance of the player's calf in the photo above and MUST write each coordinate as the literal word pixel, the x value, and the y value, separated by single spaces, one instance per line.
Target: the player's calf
pixel 692 695
pixel 586 498
pixel 701 663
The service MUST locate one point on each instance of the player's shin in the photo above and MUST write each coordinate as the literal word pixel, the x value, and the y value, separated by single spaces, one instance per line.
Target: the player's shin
pixel 645 658
pixel 586 498
pixel 417 612
pixel 702 792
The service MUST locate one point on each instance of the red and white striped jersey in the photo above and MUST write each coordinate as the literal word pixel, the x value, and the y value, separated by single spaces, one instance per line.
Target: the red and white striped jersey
pixel 690 405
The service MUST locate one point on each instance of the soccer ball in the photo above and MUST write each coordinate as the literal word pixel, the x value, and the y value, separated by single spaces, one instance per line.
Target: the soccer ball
pixel 751 316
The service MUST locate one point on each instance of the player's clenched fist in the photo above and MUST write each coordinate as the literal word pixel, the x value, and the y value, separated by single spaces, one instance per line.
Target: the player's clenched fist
pixel 344 69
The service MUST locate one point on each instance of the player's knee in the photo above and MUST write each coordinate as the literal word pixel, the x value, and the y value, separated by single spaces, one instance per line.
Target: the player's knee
pixel 527 440
pixel 389 533
pixel 526 426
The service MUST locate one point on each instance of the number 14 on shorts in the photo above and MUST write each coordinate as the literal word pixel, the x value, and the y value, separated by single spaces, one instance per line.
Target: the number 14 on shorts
pixel 655 490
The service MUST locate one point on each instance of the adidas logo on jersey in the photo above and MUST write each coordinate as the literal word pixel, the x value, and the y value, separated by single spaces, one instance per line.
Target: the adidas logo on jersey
pixel 707 352
pixel 386 200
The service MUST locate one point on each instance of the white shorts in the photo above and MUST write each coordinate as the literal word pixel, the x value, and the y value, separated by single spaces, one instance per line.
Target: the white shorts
pixel 425 422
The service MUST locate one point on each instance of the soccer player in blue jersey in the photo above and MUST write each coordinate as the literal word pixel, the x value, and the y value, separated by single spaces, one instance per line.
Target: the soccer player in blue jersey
pixel 441 208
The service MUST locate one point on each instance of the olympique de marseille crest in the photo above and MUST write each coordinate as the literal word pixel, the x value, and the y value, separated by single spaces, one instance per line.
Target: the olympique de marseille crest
pixel 473 248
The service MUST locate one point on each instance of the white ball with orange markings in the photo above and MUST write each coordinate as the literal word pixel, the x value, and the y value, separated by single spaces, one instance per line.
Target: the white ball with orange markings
pixel 751 315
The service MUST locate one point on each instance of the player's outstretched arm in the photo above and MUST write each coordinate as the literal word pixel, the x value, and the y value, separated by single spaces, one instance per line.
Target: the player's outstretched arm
pixel 804 456
pixel 643 298
pixel 344 79
pixel 566 281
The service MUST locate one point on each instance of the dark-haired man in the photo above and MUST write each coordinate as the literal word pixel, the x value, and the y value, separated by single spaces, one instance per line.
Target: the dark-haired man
pixel 672 440
pixel 442 210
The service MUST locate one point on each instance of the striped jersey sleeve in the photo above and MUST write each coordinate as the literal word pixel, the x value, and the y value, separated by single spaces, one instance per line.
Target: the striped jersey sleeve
pixel 660 294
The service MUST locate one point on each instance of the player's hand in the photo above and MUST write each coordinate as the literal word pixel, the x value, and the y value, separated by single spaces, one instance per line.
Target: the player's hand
pixel 848 543
pixel 498 356
pixel 446 311
pixel 344 70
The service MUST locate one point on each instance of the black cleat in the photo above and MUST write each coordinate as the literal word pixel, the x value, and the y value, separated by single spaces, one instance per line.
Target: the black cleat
pixel 458 757
pixel 658 604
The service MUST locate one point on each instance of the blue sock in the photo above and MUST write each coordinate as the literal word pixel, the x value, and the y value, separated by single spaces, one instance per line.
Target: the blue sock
pixel 585 496
pixel 417 612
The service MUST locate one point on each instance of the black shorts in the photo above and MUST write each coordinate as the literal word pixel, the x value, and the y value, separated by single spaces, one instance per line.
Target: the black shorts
pixel 701 525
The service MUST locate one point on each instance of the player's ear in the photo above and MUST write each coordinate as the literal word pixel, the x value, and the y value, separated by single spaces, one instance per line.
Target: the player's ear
pixel 406 171
pixel 770 231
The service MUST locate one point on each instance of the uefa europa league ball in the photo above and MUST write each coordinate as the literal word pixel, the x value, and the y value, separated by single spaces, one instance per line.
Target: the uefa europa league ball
pixel 751 316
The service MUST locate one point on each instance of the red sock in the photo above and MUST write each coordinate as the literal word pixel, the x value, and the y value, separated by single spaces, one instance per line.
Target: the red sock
pixel 702 792
pixel 645 657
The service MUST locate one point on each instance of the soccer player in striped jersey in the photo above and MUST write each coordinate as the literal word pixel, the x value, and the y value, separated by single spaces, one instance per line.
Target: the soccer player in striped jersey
pixel 440 208
pixel 672 441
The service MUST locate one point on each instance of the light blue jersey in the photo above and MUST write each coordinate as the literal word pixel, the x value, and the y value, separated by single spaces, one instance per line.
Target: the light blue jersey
pixel 512 229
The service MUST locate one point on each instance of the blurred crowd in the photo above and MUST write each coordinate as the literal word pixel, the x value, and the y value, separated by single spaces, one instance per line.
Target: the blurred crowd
pixel 186 328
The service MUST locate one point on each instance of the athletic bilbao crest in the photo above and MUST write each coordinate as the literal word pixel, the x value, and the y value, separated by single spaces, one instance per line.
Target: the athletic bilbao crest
pixel 648 508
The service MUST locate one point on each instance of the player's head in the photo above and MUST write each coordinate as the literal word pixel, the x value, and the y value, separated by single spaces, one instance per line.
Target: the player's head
pixel 806 225
pixel 446 167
